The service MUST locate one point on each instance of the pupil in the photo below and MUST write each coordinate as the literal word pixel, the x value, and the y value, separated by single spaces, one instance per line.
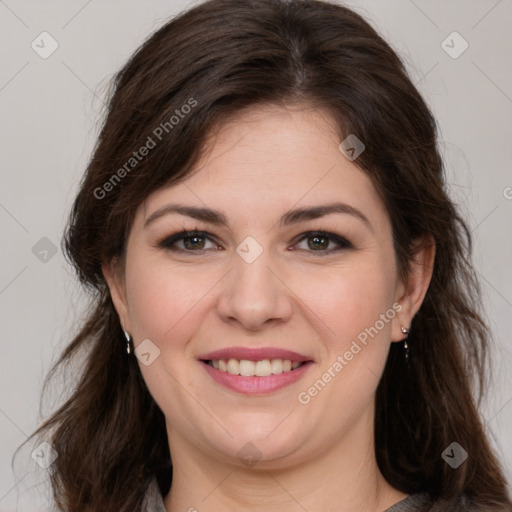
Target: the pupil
pixel 315 239
pixel 192 245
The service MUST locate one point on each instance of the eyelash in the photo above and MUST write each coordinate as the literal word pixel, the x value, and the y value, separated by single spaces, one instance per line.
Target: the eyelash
pixel 167 243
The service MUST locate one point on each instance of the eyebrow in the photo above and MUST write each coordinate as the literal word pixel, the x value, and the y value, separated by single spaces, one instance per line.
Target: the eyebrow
pixel 217 218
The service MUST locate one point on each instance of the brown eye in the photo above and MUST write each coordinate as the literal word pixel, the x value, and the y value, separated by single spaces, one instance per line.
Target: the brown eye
pixel 196 241
pixel 193 241
pixel 319 241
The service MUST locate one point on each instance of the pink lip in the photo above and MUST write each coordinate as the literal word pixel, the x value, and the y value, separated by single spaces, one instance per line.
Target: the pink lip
pixel 256 385
pixel 254 354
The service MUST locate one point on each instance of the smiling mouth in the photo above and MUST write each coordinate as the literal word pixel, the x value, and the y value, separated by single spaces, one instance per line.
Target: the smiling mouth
pixel 262 368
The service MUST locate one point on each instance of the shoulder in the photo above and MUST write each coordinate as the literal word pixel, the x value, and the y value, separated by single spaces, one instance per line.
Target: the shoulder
pixel 153 500
pixel 463 504
pixel 418 502
pixel 423 502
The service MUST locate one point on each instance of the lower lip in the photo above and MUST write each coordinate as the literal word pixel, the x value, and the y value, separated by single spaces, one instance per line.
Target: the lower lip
pixel 256 385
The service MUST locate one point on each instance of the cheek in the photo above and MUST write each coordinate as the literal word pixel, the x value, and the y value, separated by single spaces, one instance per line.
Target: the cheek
pixel 165 300
pixel 350 298
pixel 166 305
pixel 357 307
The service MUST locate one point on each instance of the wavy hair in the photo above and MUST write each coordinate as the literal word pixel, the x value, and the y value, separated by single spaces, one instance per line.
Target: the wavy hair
pixel 227 55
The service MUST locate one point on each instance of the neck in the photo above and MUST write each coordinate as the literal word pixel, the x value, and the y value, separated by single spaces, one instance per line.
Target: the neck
pixel 343 477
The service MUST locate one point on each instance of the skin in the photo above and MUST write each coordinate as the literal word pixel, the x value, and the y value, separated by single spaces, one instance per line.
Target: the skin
pixel 318 456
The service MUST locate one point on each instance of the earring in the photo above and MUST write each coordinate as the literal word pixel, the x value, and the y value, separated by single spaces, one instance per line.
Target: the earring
pixel 406 346
pixel 128 342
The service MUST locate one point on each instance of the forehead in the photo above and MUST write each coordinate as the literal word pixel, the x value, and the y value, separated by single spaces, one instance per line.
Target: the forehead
pixel 267 159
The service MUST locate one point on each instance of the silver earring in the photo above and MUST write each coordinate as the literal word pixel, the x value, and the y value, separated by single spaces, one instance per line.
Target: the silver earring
pixel 406 347
pixel 128 342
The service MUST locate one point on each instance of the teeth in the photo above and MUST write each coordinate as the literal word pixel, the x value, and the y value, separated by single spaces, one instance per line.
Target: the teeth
pixel 246 368
pixel 277 366
pixel 233 367
pixel 261 368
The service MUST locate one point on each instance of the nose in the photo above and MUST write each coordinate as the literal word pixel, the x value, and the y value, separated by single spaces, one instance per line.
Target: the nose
pixel 254 294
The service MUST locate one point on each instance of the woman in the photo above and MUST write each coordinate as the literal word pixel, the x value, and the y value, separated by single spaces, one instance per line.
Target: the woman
pixel 284 313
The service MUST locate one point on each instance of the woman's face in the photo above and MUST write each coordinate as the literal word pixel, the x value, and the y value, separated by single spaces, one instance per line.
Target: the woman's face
pixel 260 281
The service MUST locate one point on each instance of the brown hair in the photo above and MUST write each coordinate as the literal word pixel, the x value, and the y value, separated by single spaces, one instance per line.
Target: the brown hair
pixel 219 57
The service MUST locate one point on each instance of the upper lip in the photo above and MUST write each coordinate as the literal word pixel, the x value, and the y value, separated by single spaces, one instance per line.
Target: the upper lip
pixel 253 354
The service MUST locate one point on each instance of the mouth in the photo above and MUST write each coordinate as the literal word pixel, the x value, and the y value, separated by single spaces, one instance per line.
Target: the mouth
pixel 261 368
pixel 255 371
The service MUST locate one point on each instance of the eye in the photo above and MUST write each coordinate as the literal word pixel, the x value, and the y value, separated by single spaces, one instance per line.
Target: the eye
pixel 319 241
pixel 196 241
pixel 193 241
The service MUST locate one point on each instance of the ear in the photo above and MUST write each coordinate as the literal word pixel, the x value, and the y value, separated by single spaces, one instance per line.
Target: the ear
pixel 114 276
pixel 410 294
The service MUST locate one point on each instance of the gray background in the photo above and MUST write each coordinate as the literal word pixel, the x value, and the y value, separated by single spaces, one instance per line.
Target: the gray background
pixel 50 117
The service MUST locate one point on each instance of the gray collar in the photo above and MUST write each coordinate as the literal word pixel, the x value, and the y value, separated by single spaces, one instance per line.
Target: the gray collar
pixel 154 502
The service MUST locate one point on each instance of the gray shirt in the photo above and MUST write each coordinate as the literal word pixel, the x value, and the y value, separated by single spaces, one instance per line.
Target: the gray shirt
pixel 419 502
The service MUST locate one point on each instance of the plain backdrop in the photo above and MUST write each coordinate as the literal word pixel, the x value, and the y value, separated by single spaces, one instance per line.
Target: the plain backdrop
pixel 50 116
